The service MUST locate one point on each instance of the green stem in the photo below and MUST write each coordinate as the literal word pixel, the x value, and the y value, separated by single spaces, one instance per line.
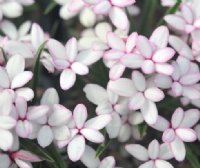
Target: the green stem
pixel 4 55
pixel 170 11
pixel 147 16
pixel 50 7
pixel 37 68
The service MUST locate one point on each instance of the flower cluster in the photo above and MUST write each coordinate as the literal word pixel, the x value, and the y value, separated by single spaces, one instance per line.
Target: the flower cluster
pixel 143 73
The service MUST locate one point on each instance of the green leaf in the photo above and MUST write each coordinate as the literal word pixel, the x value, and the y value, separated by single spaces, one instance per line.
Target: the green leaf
pixel 50 7
pixel 37 68
pixel 170 11
pixel 36 149
pixel 192 158
pixel 142 129
pixel 102 147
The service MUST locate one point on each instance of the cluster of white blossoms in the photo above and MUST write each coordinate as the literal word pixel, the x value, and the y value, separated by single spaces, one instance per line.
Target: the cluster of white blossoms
pixel 163 65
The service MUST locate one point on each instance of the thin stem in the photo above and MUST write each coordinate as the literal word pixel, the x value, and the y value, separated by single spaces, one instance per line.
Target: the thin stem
pixel 4 55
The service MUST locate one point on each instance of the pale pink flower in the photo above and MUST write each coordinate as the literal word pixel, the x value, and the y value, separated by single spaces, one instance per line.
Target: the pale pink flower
pixel 6 121
pixel 82 129
pixel 186 21
pixel 155 52
pixel 14 77
pixel 122 53
pixel 178 130
pixel 155 156
pixel 90 160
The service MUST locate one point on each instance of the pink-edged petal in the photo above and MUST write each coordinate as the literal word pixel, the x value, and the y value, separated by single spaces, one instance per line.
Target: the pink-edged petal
pixel 137 101
pixel 154 94
pixel 71 49
pixel 144 47
pixel 6 140
pixel 21 79
pixel 21 106
pixel 115 13
pixel 56 49
pixel 4 82
pixel 92 135
pixel 131 42
pixel 153 149
pixel 67 79
pixel 122 3
pixel 60 115
pixel 163 164
pixel 190 79
pixel 23 129
pixel 102 7
pixel 164 55
pixel 118 86
pixel 5 102
pixel 149 164
pixel 161 124
pixel 137 151
pixel 191 93
pixel 107 162
pixel 7 122
pixel 45 136
pixel 186 134
pixel 98 122
pixel 139 80
pixel 115 42
pixel 23 164
pixel 168 136
pixel 95 93
pixel 148 67
pixel 149 112
pixel 113 54
pixel 27 156
pixel 178 149
pixel 35 112
pixel 164 68
pixel 132 60
pixel 191 117
pixel 116 71
pixel 177 89
pixel 80 68
pixel 160 37
pixel 76 148
pixel 165 152
pixel 26 93
pixel 176 22
pixel 177 117
pixel 80 115
pixel 188 13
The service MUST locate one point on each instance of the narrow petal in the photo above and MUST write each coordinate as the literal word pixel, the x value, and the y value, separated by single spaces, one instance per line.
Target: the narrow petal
pixel 115 42
pixel 139 81
pixel 186 134
pixel 164 55
pixel 71 49
pixel 92 135
pixel 4 82
pixel 80 115
pixel 131 42
pixel 21 106
pixel 153 149
pixel 116 71
pixel 37 36
pixel 23 164
pixel 144 47
pixel 67 79
pixel 177 118
pixel 5 102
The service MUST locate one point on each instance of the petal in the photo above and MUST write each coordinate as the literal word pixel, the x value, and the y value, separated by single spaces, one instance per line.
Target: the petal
pixel 190 79
pixel 6 140
pixel 168 136
pixel 21 79
pixel 132 60
pixel 124 133
pixel 163 55
pixel 177 117
pixel 76 148
pixel 165 69
pixel 163 81
pixel 9 29
pixel 107 162
pixel 139 80
pixel 113 54
pixel 89 158
pixel 50 97
pixel 26 93
pixel 131 42
pixel 4 82
pixel 67 79
pixel 191 117
pixel 87 17
pixel 178 149
pixel 98 122
pixel 15 66
pixel 37 36
pixel 80 115
pixel 61 133
pixel 122 3
pixel 149 164
pixel 163 164
pixel 23 129
pixel 137 101
pixel 95 93
pixel 102 7
pixel 35 112
pixel 115 42
pixel 7 122
pixel 45 136
pixel 161 124
pixel 137 151
pixel 144 46
pixel 188 13
pixel 116 71
pixel 56 49
pixel 23 164
pixel 27 156
pixel 12 9
pixel 191 93
pixel 118 86
pixel 149 112
pixel 186 134
pixel 5 102
pixel 148 67
pixel 80 68
pixel 92 135
pixel 5 161
pixel 116 13
pixel 154 94
pixel 160 37
pixel 153 149
pixel 102 29
pixel 165 152
pixel 71 49
pixel 60 115
pixel 21 106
